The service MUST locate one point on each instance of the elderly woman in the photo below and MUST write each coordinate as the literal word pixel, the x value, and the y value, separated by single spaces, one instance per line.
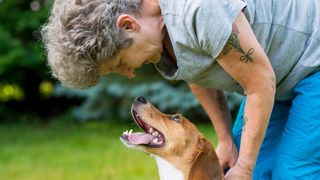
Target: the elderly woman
pixel 267 50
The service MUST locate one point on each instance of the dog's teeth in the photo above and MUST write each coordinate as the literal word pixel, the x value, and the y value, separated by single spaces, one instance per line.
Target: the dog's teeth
pixel 130 132
pixel 155 140
pixel 155 133
pixel 150 130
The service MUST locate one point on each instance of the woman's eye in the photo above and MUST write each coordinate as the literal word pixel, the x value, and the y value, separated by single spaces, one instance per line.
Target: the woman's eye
pixel 175 118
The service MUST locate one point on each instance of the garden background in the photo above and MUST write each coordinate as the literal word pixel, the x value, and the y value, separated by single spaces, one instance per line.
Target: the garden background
pixel 48 131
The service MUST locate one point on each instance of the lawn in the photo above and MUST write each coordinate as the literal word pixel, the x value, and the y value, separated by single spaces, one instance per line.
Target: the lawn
pixel 74 151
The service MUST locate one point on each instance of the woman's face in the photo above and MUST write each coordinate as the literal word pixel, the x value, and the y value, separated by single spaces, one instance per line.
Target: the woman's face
pixel 147 32
pixel 128 60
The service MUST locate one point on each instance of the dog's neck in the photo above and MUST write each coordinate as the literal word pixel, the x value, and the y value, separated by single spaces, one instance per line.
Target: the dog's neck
pixel 167 171
pixel 202 166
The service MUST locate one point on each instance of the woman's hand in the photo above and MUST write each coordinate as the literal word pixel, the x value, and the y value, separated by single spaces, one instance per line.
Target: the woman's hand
pixel 227 153
pixel 238 172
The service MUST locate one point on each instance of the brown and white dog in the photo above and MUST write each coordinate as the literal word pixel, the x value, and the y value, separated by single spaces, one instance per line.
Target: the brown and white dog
pixel 181 151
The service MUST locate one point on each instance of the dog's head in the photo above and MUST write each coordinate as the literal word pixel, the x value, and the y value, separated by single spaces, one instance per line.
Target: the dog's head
pixel 173 138
pixel 163 134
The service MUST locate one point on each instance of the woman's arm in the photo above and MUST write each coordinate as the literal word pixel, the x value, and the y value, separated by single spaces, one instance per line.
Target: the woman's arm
pixel 215 104
pixel 246 62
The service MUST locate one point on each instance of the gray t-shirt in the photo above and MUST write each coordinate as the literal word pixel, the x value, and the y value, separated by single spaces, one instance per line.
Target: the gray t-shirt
pixel 288 31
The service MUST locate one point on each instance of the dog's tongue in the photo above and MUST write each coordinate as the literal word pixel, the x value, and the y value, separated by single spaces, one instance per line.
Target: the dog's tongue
pixel 140 138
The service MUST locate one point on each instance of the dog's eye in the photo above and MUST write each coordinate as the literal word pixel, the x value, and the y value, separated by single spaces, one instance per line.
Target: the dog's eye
pixel 175 118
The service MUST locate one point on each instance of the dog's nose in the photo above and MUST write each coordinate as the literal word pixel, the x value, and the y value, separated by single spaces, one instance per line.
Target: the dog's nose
pixel 141 99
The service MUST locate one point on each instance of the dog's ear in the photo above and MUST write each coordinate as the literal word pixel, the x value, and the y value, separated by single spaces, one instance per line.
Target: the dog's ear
pixel 206 166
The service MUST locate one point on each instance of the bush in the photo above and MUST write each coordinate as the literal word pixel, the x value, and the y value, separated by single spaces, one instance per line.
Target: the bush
pixel 112 99
pixel 22 66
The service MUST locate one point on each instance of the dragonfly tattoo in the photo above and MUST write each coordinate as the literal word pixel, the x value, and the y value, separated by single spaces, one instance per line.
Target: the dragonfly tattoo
pixel 233 44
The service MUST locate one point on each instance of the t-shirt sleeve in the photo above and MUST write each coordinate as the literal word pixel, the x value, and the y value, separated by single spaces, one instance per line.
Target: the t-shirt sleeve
pixel 211 21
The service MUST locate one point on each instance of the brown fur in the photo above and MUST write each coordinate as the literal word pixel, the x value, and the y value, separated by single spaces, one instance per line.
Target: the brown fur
pixel 205 166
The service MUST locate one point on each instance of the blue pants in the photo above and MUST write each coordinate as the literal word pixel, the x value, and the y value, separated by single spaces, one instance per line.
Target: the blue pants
pixel 291 147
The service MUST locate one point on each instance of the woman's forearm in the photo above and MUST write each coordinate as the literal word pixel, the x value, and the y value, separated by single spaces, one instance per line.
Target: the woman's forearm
pixel 215 104
pixel 255 121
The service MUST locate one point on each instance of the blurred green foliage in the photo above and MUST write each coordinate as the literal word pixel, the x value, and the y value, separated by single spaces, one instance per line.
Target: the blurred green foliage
pixel 20 48
pixel 113 96
pixel 25 84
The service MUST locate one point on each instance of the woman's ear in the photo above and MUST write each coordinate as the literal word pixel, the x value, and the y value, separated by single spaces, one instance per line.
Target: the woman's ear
pixel 127 23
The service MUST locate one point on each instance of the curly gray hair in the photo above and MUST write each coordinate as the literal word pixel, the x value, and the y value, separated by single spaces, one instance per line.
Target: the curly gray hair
pixel 80 35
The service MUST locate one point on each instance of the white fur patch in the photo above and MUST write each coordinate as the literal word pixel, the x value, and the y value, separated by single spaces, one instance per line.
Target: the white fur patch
pixel 167 171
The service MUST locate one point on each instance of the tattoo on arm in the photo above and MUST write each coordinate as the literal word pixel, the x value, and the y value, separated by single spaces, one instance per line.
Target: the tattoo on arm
pixel 233 44
pixel 245 121
pixel 221 104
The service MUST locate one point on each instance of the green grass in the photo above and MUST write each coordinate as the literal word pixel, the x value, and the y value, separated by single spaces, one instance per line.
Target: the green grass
pixel 68 151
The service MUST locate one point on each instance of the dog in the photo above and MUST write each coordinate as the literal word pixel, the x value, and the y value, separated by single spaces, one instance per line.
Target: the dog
pixel 181 151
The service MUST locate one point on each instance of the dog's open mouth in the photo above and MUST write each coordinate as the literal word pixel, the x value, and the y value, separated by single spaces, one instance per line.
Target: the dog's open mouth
pixel 151 137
